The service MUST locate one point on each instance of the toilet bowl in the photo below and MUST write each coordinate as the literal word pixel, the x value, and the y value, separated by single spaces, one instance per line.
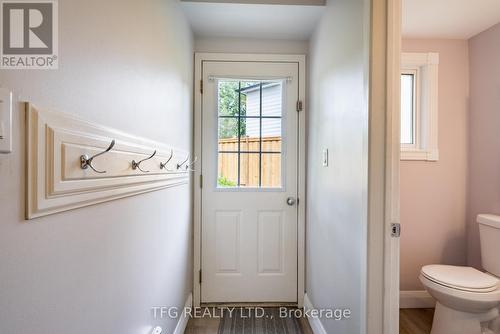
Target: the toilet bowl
pixel 468 300
pixel 462 304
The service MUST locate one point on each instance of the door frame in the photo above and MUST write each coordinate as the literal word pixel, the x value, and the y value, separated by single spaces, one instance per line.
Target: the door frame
pixel 385 148
pixel 200 58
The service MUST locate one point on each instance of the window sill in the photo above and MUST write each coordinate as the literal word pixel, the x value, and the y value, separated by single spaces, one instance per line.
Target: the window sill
pixel 419 155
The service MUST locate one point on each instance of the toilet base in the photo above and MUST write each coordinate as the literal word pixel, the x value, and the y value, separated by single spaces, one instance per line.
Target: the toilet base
pixel 495 325
pixel 447 320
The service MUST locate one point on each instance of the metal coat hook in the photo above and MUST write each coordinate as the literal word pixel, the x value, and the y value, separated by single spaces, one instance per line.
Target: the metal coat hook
pixel 137 164
pixel 191 164
pixel 86 162
pixel 164 164
pixel 187 165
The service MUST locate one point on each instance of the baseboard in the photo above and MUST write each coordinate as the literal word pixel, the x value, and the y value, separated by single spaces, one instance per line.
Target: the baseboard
pixel 416 299
pixel 315 323
pixel 183 320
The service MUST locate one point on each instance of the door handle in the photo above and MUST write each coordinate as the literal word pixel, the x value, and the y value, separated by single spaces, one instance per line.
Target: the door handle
pixel 290 201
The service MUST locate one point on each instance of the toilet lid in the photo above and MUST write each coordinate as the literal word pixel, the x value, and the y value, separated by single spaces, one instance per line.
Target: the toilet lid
pixel 461 278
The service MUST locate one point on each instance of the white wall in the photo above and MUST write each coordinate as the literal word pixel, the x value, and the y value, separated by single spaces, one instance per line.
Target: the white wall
pixel 100 269
pixel 250 45
pixel 336 203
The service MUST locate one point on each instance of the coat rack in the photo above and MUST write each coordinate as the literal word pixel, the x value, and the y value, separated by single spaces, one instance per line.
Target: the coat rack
pixel 74 163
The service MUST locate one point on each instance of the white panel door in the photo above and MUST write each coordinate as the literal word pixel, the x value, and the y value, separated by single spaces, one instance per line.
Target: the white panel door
pixel 249 168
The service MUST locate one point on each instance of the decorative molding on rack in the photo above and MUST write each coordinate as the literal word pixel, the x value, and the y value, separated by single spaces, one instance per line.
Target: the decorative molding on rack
pixel 56 180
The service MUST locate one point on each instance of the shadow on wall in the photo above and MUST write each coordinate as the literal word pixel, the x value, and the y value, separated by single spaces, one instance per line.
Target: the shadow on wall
pixel 484 136
pixel 449 250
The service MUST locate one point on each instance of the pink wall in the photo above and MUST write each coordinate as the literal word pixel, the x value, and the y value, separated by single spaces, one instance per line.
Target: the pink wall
pixel 433 194
pixel 484 140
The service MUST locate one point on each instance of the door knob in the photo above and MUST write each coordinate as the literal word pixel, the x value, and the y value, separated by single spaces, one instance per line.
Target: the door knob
pixel 290 201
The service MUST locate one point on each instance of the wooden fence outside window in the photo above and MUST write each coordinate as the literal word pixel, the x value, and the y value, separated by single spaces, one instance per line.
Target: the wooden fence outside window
pixel 249 162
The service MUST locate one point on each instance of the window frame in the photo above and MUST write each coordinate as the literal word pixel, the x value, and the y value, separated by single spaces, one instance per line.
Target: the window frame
pixel 416 117
pixel 282 152
pixel 425 67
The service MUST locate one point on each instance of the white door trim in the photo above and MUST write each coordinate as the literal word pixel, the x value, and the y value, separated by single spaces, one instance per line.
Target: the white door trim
pixel 393 155
pixel 383 201
pixel 198 67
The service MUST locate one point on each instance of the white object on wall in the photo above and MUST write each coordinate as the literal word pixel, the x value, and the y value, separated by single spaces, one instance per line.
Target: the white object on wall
pixel 325 157
pixel 5 120
pixel 58 182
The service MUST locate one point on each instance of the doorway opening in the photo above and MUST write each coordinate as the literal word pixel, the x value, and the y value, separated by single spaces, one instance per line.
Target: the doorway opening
pixel 249 218
pixel 446 69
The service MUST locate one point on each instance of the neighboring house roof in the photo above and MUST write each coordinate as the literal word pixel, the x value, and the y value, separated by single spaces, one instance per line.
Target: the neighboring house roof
pixel 257 86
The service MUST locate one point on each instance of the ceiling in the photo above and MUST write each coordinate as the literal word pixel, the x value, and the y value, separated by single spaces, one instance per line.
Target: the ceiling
pixel 285 19
pixel 454 19
pixel 257 21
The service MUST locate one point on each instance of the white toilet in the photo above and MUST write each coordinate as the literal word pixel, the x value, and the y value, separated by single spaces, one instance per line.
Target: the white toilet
pixel 468 300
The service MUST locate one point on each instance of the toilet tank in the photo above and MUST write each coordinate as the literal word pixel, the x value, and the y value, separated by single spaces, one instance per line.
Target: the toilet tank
pixel 489 232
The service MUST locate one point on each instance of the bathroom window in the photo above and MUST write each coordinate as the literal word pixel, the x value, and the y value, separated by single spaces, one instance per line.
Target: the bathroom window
pixel 419 106
pixel 408 108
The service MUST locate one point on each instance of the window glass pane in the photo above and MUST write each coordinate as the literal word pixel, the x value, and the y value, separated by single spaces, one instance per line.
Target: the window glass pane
pixel 271 135
pixel 407 109
pixel 272 98
pixel 253 128
pixel 249 169
pixel 228 98
pixel 271 170
pixel 250 144
pixel 228 128
pixel 227 170
pixel 249 124
pixel 250 98
pixel 231 94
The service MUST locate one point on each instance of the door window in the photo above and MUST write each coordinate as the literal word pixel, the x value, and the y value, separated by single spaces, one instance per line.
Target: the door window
pixel 250 134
